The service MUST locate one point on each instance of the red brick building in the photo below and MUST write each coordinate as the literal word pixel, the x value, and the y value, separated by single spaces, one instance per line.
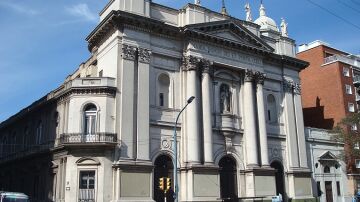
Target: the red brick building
pixel 329 89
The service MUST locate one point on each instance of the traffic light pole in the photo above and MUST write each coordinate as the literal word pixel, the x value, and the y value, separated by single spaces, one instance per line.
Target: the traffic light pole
pixel 176 187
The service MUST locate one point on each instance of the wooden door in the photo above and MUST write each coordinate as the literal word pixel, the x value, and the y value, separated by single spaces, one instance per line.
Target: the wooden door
pixel 328 190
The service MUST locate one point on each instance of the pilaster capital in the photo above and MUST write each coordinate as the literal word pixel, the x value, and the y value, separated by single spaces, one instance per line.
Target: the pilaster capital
pixel 249 75
pixel 128 52
pixel 207 67
pixel 144 55
pixel 190 63
pixel 291 87
pixel 260 77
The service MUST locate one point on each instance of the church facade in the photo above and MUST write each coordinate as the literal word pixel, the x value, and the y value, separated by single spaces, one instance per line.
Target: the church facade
pixel 107 132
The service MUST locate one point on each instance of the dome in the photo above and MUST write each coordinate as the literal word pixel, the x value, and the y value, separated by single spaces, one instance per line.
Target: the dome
pixel 265 22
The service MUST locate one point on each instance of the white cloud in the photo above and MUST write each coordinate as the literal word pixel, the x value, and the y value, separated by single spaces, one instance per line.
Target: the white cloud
pixel 82 10
pixel 19 8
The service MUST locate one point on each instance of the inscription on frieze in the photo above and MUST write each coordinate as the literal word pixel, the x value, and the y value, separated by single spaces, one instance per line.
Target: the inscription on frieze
pixel 226 53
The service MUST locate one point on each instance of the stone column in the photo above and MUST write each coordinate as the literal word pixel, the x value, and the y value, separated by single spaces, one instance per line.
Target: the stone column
pixel 207 112
pixel 292 139
pixel 192 111
pixel 143 133
pixel 260 77
pixel 250 121
pixel 117 182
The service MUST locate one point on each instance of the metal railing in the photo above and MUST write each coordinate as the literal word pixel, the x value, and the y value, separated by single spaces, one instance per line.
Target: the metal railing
pixel 343 59
pixel 87 195
pixel 80 138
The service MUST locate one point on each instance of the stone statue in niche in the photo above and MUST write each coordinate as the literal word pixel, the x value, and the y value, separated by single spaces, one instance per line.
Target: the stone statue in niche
pixel 225 96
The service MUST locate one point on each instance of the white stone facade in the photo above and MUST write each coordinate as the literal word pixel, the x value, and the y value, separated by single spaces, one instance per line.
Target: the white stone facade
pixel 329 170
pixel 115 115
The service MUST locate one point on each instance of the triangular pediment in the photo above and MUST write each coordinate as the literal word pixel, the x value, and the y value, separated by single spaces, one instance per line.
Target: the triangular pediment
pixel 327 156
pixel 231 32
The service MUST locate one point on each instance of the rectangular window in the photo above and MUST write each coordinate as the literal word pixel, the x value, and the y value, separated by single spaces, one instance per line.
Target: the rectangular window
pixel 358 185
pixel 87 180
pixel 348 89
pixel 357 163
pixel 354 127
pixel 338 188
pixel 161 99
pixel 101 73
pixel 351 107
pixel 356 145
pixel 318 186
pixel 87 186
pixel 346 71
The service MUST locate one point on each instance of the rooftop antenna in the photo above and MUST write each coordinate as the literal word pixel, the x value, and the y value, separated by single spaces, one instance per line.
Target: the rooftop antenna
pixel 223 8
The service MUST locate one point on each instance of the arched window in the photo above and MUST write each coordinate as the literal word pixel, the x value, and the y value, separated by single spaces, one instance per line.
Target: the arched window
pixel 271 109
pixel 90 112
pixel 326 169
pixel 225 98
pixel 163 90
pixel 39 133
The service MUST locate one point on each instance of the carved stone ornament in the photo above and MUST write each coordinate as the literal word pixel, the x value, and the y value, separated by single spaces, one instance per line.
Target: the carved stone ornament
pixel 207 66
pixel 128 52
pixel 288 86
pixel 190 63
pixel 249 76
pixel 297 88
pixel 144 55
pixel 260 77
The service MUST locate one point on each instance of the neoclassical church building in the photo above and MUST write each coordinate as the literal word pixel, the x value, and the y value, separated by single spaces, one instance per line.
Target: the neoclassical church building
pixel 106 134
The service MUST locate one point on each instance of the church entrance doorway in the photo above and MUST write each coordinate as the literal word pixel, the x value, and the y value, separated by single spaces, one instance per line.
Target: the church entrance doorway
pixel 163 168
pixel 279 177
pixel 328 191
pixel 228 184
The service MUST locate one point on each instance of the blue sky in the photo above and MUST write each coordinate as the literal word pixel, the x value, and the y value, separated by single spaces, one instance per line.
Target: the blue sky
pixel 44 41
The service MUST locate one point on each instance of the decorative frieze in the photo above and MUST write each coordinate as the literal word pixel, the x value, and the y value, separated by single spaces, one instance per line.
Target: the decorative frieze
pixel 190 63
pixel 144 55
pixel 128 52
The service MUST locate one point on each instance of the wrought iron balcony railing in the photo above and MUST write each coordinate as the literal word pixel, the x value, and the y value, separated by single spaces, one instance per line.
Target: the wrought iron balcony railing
pixel 80 138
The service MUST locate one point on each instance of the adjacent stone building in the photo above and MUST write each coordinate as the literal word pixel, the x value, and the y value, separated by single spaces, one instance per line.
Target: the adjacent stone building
pixel 106 133
pixel 330 93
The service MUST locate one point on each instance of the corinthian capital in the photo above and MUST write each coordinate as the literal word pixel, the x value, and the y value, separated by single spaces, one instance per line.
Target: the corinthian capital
pixel 190 63
pixel 144 55
pixel 297 88
pixel 206 66
pixel 249 75
pixel 288 86
pixel 260 77
pixel 128 52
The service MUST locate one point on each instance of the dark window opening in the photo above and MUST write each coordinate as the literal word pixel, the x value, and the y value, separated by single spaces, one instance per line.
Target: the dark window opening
pixel 326 169
pixel 338 188
pixel 161 99
pixel 318 186
pixel 228 183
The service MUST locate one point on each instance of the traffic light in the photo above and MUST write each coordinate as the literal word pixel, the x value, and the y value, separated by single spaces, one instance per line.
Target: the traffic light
pixel 161 183
pixel 168 184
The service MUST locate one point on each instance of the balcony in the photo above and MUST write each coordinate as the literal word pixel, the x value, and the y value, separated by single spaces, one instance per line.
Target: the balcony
pixel 80 139
pixel 344 59
pixel 356 81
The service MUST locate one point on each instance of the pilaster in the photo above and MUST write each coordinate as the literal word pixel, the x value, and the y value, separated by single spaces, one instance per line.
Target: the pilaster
pixel 207 111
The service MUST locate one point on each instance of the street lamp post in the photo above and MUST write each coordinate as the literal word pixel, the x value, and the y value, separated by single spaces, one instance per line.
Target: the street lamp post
pixel 176 187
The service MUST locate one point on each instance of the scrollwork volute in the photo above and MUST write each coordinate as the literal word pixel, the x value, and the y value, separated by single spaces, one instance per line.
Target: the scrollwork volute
pixel 249 76
pixel 207 67
pixel 190 63
pixel 128 52
pixel 291 87
pixel 260 77
pixel 144 55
